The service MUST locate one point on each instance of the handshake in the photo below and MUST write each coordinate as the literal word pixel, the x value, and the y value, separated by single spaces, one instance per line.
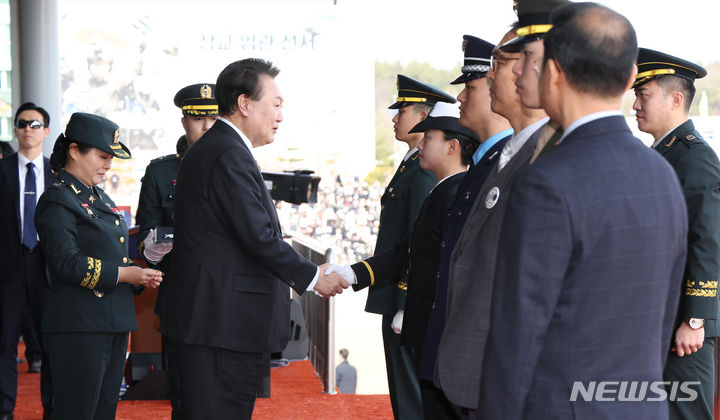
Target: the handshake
pixel 333 279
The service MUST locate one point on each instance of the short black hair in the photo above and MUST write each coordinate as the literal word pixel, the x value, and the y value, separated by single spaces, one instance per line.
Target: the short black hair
pixel 468 146
pixel 241 78
pixel 669 84
pixel 29 106
pixel 594 46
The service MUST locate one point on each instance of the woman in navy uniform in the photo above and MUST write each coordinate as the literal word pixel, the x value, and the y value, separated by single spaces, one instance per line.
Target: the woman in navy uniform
pixel 89 310
pixel 446 150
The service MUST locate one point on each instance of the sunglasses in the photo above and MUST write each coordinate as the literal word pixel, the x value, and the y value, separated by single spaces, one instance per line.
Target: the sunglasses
pixel 34 124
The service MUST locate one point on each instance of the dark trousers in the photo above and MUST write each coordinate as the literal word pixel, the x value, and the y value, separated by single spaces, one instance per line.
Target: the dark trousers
pixel 217 383
pixel 402 378
pixel 31 338
pixel 27 292
pixel 87 372
pixel 173 378
pixel 434 402
pixel 696 367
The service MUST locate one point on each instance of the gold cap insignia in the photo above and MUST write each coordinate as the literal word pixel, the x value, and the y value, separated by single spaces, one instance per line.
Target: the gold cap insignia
pixel 206 92
pixel 116 136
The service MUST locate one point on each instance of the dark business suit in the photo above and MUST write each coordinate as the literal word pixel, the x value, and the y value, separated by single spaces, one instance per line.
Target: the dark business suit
pixel 456 217
pixel 88 314
pixel 401 204
pixel 470 280
pixel 229 300
pixel 591 252
pixel 23 284
pixel 155 209
pixel 698 169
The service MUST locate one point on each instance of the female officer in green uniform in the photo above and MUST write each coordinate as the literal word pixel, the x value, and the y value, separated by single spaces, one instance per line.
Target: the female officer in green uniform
pixel 89 310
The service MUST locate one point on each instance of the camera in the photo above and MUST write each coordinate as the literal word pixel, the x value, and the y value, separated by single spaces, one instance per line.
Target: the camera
pixel 294 187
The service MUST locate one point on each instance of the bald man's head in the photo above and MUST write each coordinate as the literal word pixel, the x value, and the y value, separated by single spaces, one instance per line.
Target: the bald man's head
pixel 594 46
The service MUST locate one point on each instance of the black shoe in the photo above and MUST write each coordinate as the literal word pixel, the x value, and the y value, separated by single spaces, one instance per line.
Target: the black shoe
pixel 6 416
pixel 20 360
pixel 47 414
pixel 34 367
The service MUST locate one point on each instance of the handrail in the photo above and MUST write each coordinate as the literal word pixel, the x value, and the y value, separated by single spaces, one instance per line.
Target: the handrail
pixel 319 316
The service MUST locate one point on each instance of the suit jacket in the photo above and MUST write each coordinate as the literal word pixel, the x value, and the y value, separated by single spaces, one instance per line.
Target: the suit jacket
pixel 698 169
pixel 470 279
pixel 456 217
pixel 155 209
pixel 231 267
pixel 418 260
pixel 401 204
pixel 346 377
pixel 10 220
pixel 591 252
pixel 85 240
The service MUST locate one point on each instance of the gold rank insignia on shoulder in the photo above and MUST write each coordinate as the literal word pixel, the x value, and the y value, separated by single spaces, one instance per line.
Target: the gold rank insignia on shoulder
pixel 671 142
pixel 206 92
pixel 74 188
pixel 116 136
pixel 690 137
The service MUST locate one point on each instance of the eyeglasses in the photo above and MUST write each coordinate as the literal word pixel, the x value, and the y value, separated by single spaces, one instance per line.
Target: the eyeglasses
pixel 34 124
pixel 496 61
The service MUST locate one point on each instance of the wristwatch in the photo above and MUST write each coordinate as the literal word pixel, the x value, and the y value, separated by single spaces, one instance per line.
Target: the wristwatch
pixel 695 323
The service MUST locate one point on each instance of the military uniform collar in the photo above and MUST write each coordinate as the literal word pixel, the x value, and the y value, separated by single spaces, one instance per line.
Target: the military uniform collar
pixel 668 140
pixel 75 185
pixel 410 153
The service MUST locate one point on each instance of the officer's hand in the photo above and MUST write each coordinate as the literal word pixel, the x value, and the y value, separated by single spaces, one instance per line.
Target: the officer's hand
pixel 344 270
pixel 330 284
pixel 155 251
pixel 687 340
pixel 137 276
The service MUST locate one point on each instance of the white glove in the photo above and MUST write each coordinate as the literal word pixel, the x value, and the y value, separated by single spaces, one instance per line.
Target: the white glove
pixel 345 272
pixel 397 321
pixel 155 251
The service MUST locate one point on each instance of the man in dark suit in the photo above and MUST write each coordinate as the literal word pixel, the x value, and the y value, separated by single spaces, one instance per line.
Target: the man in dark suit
pixel 229 300
pixel 592 247
pixel 664 90
pixel 156 202
pixel 23 281
pixel 401 203
pixel 471 263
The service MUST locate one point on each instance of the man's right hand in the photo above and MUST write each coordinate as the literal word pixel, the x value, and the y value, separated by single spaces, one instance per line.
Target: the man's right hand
pixel 329 285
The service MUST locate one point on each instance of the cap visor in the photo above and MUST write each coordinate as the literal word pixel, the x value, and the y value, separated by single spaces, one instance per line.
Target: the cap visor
pixel 466 77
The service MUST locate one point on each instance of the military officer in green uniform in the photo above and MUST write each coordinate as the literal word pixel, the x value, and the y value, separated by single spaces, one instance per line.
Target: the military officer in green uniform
pixel 401 204
pixel 664 89
pixel 156 202
pixel 89 310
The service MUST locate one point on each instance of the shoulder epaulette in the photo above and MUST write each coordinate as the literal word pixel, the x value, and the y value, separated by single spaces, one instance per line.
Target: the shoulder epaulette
pixel 165 158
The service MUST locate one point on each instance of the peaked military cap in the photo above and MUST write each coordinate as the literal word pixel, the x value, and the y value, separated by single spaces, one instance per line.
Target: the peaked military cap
pixel 477 59
pixel 533 21
pixel 411 92
pixel 652 64
pixel 197 100
pixel 95 131
pixel 445 117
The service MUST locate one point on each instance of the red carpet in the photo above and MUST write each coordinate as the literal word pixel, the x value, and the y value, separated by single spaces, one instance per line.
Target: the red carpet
pixel 296 393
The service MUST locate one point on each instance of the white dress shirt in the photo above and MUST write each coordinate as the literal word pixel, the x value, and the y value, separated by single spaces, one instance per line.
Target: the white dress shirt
pixel 517 141
pixel 39 182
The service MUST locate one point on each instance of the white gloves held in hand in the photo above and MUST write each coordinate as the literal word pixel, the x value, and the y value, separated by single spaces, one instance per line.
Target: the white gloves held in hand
pixel 397 321
pixel 155 251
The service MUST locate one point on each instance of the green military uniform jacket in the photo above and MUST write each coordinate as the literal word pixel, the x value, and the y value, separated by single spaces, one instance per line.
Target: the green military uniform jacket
pixel 401 204
pixel 85 241
pixel 155 208
pixel 698 169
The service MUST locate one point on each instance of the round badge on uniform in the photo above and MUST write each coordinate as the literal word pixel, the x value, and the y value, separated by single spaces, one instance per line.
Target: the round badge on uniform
pixel 492 197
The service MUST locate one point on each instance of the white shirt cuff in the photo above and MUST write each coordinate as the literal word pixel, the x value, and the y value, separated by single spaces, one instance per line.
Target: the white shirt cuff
pixel 314 280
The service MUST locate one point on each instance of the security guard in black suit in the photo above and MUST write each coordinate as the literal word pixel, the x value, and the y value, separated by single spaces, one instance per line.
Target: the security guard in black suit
pixel 401 203
pixel 89 311
pixel 156 203
pixel 664 89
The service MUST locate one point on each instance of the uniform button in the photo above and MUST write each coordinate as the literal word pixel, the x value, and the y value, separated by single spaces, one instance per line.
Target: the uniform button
pixel 98 294
pixel 442 244
pixel 459 213
pixel 393 195
pixel 122 239
pixel 407 271
pixel 382 207
pixel 125 260
pixel 117 222
pixel 390 189
pixel 449 213
pixel 437 276
pixel 433 305
pixel 408 250
pixel 467 195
